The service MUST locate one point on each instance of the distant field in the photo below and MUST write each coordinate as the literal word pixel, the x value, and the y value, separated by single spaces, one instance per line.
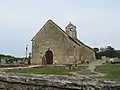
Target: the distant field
pixel 112 70
pixel 47 70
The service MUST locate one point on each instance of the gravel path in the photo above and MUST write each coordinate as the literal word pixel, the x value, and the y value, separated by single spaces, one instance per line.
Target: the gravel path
pixel 93 65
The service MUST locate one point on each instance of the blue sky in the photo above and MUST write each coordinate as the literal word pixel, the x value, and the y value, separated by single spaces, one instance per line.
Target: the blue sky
pixel 97 21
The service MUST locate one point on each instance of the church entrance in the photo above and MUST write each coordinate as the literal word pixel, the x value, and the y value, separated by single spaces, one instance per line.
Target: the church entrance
pixel 49 57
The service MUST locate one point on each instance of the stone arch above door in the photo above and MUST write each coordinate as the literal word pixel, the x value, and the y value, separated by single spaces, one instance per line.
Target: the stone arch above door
pixel 49 56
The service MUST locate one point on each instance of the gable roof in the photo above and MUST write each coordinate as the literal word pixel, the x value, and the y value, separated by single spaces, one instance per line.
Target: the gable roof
pixel 84 44
pixel 50 21
pixel 77 41
pixel 40 30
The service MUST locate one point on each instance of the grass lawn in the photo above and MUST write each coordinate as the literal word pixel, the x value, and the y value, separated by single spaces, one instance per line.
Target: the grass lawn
pixel 47 70
pixel 112 70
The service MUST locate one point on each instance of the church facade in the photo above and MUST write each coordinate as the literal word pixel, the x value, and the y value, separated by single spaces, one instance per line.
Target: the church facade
pixel 52 45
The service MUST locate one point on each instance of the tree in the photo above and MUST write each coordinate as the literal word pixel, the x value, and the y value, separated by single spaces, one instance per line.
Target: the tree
pixel 118 53
pixel 108 52
pixel 102 49
pixel 96 49
pixel 109 48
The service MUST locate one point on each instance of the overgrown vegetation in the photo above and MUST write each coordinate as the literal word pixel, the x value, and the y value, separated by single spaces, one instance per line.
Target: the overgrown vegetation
pixel 2 56
pixel 107 51
pixel 112 70
pixel 9 58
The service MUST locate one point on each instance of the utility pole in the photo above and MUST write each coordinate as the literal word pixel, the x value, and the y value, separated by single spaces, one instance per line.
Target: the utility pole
pixel 26 49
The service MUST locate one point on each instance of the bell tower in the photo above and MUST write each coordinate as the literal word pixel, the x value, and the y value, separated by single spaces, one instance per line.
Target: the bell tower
pixel 71 30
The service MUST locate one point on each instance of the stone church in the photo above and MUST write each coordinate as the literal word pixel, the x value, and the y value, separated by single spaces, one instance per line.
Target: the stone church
pixel 53 45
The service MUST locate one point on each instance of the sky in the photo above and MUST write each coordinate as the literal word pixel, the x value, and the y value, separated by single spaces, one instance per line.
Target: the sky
pixel 97 21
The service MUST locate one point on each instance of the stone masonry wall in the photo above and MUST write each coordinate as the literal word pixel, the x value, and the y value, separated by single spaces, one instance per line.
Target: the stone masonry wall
pixel 62 47
pixel 49 37
pixel 87 54
pixel 54 82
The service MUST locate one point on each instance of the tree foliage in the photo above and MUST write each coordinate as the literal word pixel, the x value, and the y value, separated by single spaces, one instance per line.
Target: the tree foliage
pixel 108 51
pixel 96 49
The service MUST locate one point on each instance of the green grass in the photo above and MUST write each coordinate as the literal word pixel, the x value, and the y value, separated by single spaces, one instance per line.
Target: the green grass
pixel 112 70
pixel 47 70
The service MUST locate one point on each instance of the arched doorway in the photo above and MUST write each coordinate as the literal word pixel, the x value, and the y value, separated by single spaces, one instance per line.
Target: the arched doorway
pixel 49 57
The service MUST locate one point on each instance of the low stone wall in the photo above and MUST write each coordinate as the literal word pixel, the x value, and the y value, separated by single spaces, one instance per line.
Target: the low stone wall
pixel 53 82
